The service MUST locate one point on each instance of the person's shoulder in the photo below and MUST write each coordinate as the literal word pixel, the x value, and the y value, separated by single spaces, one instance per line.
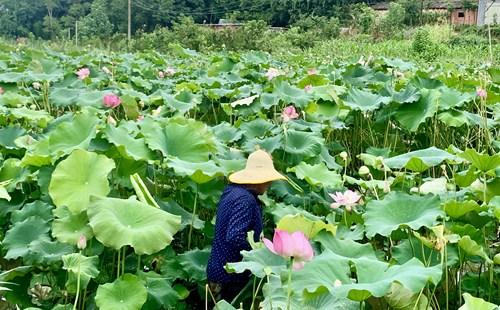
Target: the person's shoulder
pixel 239 192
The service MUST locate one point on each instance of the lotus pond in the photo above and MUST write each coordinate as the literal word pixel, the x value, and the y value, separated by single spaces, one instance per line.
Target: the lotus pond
pixel 111 166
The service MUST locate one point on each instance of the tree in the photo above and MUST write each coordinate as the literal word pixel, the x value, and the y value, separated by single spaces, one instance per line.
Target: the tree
pixel 96 23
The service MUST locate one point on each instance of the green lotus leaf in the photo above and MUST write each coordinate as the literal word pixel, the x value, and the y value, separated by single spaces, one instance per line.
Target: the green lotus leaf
pixel 13 99
pixel 400 209
pixel 256 128
pixel 127 145
pixel 186 217
pixel 292 95
pixel 224 305
pixel 475 303
pixel 182 102
pixel 407 95
pixel 47 252
pixel 38 117
pixel 276 298
pixel 9 134
pixel 78 177
pixel 454 118
pixel 75 264
pixel 260 262
pixel 161 294
pixel 401 298
pixel 68 227
pixel 457 209
pixel 298 222
pixel 12 173
pixel 269 144
pixel 346 250
pixel 483 162
pixel 362 100
pixel 22 234
pixel 63 97
pixel 452 98
pixel 411 115
pixel 4 194
pixel 188 140
pixel 198 172
pixel 194 263
pixel 323 300
pixel 142 191
pixel 75 134
pixel 301 143
pixel 119 222
pixel 434 186
pixel 226 133
pixel 376 278
pixel 472 248
pixel 419 161
pixel 317 175
pixel 37 208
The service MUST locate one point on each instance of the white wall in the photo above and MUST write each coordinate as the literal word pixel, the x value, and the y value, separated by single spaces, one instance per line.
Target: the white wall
pixel 494 9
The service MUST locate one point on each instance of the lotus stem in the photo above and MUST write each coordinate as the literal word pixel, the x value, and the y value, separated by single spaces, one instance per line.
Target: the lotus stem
pixel 289 294
pixel 118 264
pixel 255 293
pixel 77 285
pixel 192 218
pixel 123 260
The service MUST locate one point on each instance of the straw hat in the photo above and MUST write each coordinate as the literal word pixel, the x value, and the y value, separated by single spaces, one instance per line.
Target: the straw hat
pixel 259 170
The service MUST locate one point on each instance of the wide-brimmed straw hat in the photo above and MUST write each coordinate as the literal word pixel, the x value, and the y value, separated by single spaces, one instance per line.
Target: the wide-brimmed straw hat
pixel 259 170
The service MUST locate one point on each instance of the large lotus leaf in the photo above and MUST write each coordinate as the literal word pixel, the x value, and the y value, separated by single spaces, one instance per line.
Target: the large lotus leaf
pixel 127 145
pixel 400 209
pixel 322 271
pixel 256 128
pixel 126 293
pixel 160 291
pixel 63 97
pixel 419 161
pixel 376 278
pixel 483 162
pixel 37 208
pixel 47 252
pixel 75 264
pixel 323 300
pixel 119 222
pixel 455 118
pixel 301 143
pixel 292 95
pixel 4 194
pixel 68 227
pixel 226 133
pixel 452 98
pixel 317 175
pixel 12 173
pixel 411 115
pixel 276 298
pixel 186 139
pixel 298 222
pixel 72 135
pixel 415 248
pixel 198 172
pixel 362 100
pixel 346 250
pixel 471 247
pixel 457 209
pixel 186 217
pixel 407 95
pixel 475 303
pixel 22 234
pixel 78 177
pixel 182 102
pixel 194 263
pixel 260 262
pixel 269 144
pixel 401 298
pixel 39 117
pixel 13 99
pixel 9 134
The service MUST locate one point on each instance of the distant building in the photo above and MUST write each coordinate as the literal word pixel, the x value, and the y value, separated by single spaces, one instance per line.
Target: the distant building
pixel 493 12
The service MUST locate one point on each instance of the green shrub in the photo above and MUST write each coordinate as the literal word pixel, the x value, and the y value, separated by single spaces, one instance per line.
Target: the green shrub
pixel 424 47
pixel 363 17
pixel 393 23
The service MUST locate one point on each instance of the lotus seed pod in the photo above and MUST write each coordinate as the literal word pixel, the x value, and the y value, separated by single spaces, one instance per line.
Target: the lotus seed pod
pixel 364 170
pixel 343 155
pixel 496 259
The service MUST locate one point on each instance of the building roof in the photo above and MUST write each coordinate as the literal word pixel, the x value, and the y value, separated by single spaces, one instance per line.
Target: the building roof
pixel 433 5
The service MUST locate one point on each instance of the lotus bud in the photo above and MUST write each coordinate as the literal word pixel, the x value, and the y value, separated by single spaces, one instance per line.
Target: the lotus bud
pixel 337 283
pixel 343 155
pixel 387 187
pixel 141 104
pixel 156 112
pixel 82 242
pixel 111 120
pixel 33 107
pixel 106 70
pixel 364 170
pixel 37 85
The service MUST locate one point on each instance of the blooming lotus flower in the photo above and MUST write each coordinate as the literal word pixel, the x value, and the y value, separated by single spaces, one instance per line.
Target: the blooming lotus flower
pixel 106 70
pixel 289 113
pixel 83 73
pixel 170 71
pixel 82 242
pixel 348 199
pixel 272 73
pixel 37 85
pixel 295 245
pixel 481 93
pixel 1 90
pixel 161 74
pixel 111 120
pixel 312 71
pixel 111 101
pixel 308 88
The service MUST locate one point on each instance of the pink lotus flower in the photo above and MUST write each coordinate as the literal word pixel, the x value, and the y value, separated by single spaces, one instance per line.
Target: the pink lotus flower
pixel 289 113
pixel 161 74
pixel 170 71
pixel 1 90
pixel 83 73
pixel 111 101
pixel 82 242
pixel 481 93
pixel 295 245
pixel 272 73
pixel 312 71
pixel 308 88
pixel 348 199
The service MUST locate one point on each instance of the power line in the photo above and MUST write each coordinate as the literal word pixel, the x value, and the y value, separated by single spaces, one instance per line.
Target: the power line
pixel 142 5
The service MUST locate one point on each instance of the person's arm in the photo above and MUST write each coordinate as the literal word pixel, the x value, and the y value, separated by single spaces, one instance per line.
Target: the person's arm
pixel 239 224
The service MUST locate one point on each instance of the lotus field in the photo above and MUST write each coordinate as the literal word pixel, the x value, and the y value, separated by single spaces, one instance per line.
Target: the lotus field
pixel 111 167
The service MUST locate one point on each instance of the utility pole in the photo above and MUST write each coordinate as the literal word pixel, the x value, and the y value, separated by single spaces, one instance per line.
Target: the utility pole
pixel 481 12
pixel 129 30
